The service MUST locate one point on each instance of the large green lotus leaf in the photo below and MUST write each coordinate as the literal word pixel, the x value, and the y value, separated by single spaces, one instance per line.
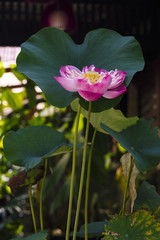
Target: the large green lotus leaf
pixel 141 141
pixel 147 197
pixel 28 146
pixel 18 75
pixel 37 236
pixel 111 117
pixel 141 225
pixel 45 52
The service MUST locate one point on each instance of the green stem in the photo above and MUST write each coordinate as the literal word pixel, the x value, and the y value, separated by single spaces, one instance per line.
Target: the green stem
pixel 82 173
pixel 41 194
pixel 126 189
pixel 32 210
pixel 87 185
pixel 73 174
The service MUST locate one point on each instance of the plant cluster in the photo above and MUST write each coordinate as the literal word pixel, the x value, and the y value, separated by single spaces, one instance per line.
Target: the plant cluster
pixel 90 78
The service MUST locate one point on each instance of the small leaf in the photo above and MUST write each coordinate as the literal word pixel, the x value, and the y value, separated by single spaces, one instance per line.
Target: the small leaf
pixel 95 230
pixel 37 236
pixel 126 162
pixel 147 197
pixel 141 225
pixel 28 146
pixel 141 141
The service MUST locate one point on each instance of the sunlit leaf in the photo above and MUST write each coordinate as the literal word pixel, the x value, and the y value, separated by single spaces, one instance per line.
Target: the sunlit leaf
pixel 28 146
pixel 45 52
pixel 111 117
pixel 2 70
pixel 141 141
pixel 141 225
pixel 8 123
pixel 15 100
pixel 61 149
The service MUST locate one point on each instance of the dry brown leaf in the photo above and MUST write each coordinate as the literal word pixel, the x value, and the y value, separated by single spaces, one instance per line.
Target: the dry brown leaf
pixel 126 161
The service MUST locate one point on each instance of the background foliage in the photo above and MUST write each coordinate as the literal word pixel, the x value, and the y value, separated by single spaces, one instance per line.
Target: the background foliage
pixel 28 107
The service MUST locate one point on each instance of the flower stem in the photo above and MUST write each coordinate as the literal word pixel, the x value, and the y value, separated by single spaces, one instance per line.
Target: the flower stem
pixel 41 192
pixel 73 174
pixel 87 185
pixel 125 193
pixel 82 173
pixel 32 210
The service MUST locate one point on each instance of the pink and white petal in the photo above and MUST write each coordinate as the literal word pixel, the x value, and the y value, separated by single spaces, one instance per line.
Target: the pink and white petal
pixel 68 84
pixel 70 72
pixel 113 93
pixel 99 70
pixel 89 96
pixel 86 69
pixel 101 87
pixel 117 78
pixel 91 68
pixel 107 80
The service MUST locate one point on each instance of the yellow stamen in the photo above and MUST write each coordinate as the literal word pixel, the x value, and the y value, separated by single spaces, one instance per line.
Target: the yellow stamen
pixel 92 76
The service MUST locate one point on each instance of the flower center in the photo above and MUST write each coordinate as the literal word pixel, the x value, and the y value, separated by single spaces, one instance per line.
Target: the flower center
pixel 92 76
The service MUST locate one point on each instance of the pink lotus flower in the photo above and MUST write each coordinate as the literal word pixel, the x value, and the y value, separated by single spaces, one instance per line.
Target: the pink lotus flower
pixel 92 83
